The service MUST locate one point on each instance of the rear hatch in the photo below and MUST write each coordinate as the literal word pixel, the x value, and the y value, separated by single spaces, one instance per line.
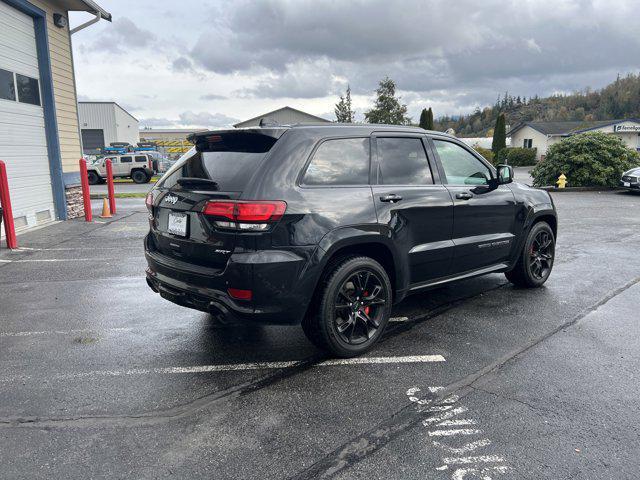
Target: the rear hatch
pixel 218 168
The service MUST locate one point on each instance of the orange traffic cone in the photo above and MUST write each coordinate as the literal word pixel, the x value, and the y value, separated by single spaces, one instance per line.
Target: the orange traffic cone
pixel 106 213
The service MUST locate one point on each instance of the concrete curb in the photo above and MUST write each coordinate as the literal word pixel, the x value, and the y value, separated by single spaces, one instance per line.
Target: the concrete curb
pixel 580 189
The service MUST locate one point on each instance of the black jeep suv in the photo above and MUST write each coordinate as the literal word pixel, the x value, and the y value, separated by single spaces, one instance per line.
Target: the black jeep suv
pixel 328 225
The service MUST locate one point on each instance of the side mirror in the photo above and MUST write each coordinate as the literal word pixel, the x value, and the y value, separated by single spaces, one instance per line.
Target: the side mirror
pixel 505 174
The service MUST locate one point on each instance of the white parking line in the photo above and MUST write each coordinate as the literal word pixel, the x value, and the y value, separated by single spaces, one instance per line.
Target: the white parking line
pixel 65 332
pixel 455 431
pixel 50 260
pixel 235 367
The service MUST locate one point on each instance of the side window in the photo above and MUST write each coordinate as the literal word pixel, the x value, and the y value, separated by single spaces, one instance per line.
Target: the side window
pixel 125 160
pixel 343 161
pixel 141 159
pixel 460 166
pixel 403 161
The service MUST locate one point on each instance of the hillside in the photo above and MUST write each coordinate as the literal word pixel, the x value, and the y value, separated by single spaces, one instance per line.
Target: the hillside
pixel 620 99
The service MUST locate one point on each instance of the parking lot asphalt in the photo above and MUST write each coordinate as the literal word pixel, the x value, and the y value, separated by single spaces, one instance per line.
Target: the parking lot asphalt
pixel 101 378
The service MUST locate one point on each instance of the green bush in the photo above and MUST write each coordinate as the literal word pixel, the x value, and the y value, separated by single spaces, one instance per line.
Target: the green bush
pixel 587 160
pixel 485 152
pixel 517 156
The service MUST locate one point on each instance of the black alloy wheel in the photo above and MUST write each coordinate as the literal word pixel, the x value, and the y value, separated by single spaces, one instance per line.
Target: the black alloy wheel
pixel 358 307
pixel 351 307
pixel 541 255
pixel 535 261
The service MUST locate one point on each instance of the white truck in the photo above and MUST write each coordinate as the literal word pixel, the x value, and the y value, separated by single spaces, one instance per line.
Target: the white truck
pixel 137 166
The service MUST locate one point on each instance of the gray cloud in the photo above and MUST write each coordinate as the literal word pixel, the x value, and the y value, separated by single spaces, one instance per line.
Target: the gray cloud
pixel 191 119
pixel 425 46
pixel 212 96
pixel 123 35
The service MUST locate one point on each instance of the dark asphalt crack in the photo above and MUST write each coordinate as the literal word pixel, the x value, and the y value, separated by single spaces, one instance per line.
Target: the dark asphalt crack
pixel 405 419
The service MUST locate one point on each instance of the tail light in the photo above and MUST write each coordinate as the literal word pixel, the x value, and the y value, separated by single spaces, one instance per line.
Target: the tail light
pixel 245 215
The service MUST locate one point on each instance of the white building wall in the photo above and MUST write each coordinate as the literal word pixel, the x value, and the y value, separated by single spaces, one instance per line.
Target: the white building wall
pixel 99 116
pixel 630 133
pixel 126 127
pixel 540 141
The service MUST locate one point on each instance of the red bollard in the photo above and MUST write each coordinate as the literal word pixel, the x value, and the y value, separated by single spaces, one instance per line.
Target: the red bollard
pixel 112 197
pixel 86 196
pixel 7 212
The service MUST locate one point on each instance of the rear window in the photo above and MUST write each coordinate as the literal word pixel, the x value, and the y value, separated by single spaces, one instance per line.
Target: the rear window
pixel 229 160
pixel 343 161
pixel 125 160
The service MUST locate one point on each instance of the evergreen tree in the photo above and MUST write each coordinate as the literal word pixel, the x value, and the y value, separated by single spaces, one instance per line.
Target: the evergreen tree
pixel 429 119
pixel 388 108
pixel 343 111
pixel 423 119
pixel 499 135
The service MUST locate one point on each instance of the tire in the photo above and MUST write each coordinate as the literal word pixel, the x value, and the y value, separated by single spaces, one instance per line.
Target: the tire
pixel 93 177
pixel 535 261
pixel 351 307
pixel 138 176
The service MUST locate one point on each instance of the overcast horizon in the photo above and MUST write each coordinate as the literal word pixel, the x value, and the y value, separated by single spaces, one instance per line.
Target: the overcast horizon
pixel 211 64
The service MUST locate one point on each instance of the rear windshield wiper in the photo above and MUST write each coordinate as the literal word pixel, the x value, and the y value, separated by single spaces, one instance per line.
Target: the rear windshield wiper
pixel 197 182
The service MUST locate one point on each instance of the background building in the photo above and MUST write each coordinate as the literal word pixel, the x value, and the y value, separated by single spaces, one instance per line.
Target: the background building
pixel 171 142
pixel 283 116
pixel 102 123
pixel 541 135
pixel 39 135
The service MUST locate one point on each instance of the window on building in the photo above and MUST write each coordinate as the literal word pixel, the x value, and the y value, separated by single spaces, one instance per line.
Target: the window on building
pixel 7 85
pixel 28 89
pixel 460 166
pixel 527 143
pixel 403 161
pixel 126 160
pixel 343 161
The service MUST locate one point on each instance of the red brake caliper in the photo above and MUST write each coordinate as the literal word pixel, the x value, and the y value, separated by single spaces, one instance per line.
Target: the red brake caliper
pixel 366 309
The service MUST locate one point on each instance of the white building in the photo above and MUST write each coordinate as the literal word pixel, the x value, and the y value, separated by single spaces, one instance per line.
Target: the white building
pixel 283 116
pixel 102 123
pixel 541 135
pixel 482 142
pixel 39 138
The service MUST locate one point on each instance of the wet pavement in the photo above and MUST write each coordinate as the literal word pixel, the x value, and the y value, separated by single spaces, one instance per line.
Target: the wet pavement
pixel 101 378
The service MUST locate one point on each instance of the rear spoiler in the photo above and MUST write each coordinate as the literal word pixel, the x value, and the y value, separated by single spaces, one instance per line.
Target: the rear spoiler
pixel 255 138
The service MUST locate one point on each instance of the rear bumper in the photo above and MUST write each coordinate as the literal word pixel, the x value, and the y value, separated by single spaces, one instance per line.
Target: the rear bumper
pixel 273 276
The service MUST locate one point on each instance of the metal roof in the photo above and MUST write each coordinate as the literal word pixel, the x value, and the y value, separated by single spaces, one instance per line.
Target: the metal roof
pixel 320 119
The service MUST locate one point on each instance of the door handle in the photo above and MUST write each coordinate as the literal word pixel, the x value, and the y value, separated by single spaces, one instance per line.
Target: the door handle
pixel 464 196
pixel 392 198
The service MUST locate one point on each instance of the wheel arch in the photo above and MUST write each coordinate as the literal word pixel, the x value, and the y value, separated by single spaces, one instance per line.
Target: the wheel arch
pixel 354 241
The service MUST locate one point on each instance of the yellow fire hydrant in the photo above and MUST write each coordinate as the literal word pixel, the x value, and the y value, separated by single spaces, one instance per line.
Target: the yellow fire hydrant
pixel 562 181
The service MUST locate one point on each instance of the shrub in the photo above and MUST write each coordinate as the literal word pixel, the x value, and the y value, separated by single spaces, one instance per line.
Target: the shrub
pixel 485 152
pixel 588 160
pixel 517 156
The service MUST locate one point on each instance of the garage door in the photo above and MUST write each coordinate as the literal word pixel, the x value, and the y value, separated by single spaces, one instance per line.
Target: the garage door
pixel 23 144
pixel 92 139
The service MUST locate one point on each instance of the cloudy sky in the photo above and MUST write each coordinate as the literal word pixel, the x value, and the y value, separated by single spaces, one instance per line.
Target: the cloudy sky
pixel 212 63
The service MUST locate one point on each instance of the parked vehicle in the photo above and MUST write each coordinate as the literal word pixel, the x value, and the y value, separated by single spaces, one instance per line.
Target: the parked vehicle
pixel 631 179
pixel 331 225
pixel 138 167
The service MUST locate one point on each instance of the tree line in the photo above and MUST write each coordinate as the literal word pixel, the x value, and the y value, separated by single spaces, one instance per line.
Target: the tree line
pixel 620 99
